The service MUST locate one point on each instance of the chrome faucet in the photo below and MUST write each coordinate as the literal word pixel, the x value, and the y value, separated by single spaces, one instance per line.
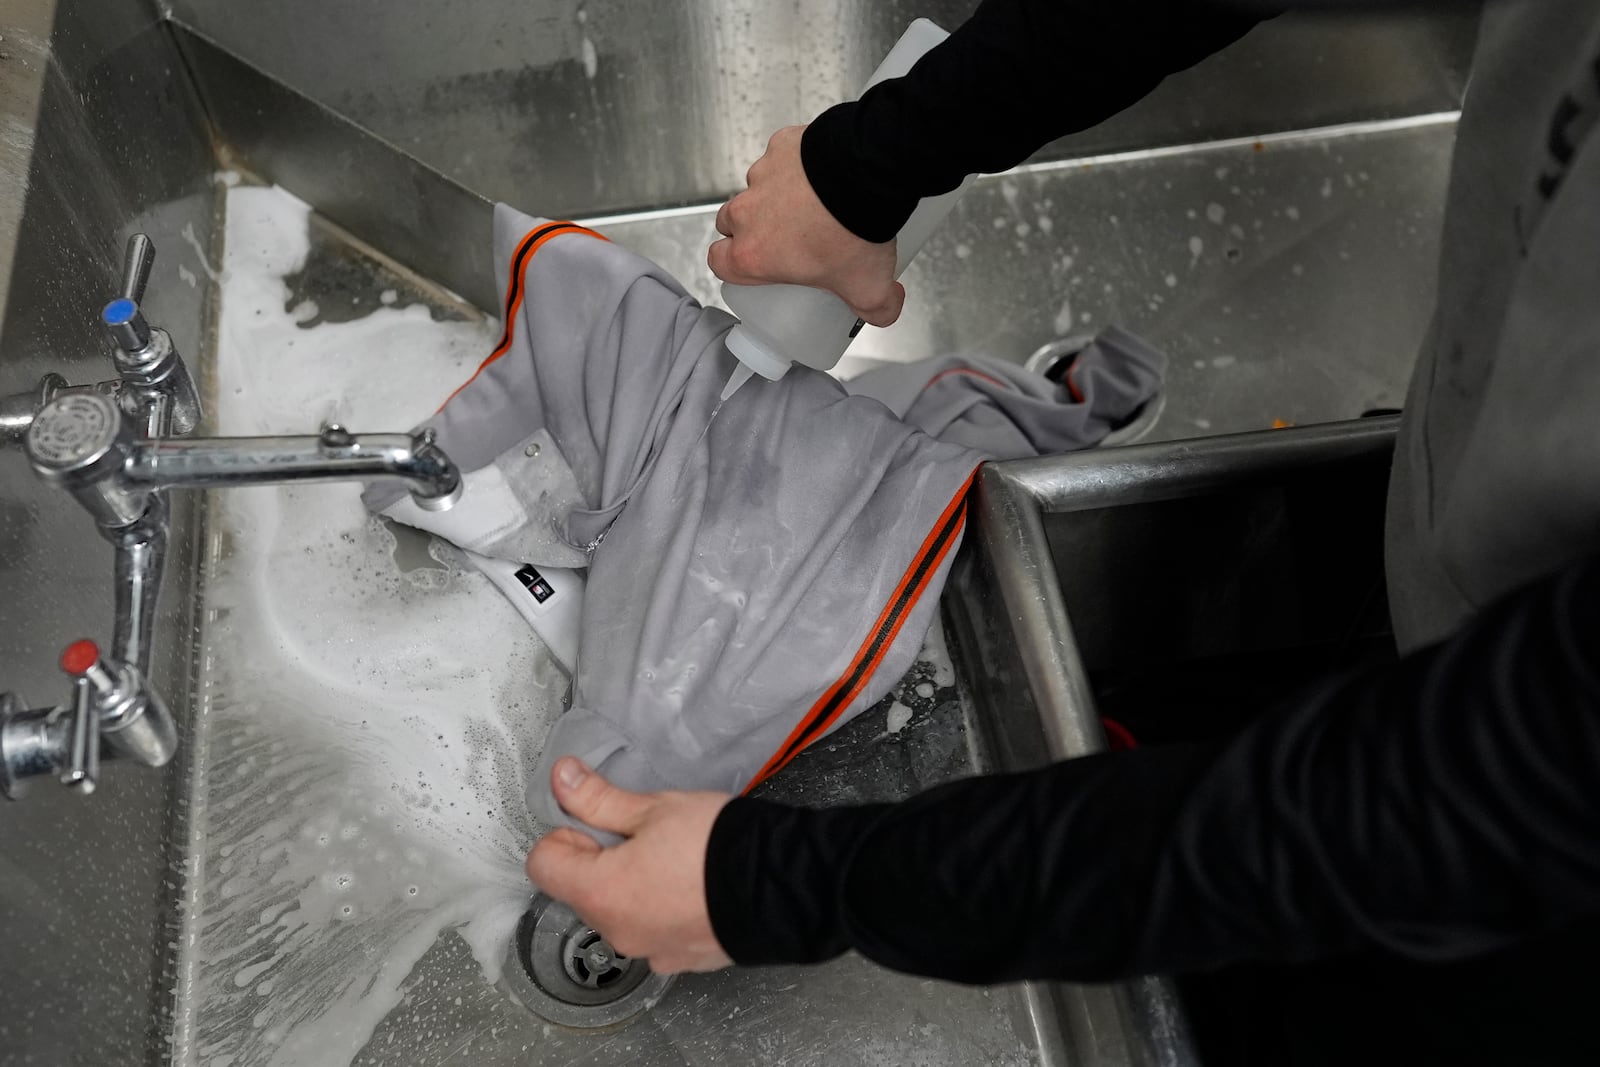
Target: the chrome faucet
pixel 117 448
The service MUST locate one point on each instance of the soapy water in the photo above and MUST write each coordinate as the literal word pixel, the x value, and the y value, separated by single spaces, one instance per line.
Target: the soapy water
pixel 365 733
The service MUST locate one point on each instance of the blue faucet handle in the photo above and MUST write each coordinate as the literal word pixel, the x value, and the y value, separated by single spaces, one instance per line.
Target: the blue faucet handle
pixel 127 325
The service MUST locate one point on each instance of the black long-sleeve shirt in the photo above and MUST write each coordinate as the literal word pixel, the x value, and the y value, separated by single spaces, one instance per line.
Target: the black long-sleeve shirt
pixel 1439 807
pixel 1015 76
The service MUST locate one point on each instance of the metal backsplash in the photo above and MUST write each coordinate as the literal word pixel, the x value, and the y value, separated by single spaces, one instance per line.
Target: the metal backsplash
pixel 573 107
pixel 101 122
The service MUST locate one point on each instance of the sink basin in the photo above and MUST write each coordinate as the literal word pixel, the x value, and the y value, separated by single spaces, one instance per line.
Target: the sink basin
pixel 370 711
pixel 1166 585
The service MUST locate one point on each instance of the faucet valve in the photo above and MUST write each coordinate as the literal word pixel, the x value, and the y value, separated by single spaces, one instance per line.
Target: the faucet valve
pixel 81 443
pixel 82 662
pixel 160 390
pixel 122 316
pixel 124 709
pixel 127 325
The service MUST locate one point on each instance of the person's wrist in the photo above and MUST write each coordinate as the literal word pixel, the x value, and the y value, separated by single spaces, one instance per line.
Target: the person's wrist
pixel 870 210
pixel 772 878
pixel 731 869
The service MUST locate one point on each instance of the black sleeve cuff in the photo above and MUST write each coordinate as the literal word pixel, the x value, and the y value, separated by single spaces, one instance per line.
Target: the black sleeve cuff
pixel 871 211
pixel 772 875
pixel 1016 876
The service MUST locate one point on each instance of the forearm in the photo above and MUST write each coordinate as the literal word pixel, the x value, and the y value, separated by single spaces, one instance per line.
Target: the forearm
pixel 1015 76
pixel 1435 808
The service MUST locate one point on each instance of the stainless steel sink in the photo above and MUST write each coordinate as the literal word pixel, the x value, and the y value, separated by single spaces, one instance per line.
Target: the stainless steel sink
pixel 1288 274
pixel 1129 576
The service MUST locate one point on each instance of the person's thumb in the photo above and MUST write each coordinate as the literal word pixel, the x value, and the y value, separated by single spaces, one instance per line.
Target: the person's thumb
pixel 591 799
pixel 560 860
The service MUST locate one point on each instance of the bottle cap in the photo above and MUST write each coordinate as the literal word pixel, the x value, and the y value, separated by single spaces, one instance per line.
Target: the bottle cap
pixel 754 352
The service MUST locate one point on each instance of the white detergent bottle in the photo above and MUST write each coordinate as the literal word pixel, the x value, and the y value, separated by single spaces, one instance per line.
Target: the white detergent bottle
pixel 781 325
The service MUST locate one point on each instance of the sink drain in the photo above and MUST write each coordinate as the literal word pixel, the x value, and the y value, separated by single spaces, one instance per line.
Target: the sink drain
pixel 1052 361
pixel 562 970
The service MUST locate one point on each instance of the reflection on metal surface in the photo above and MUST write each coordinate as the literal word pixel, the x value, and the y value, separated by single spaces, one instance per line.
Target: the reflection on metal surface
pixel 26 27
pixel 607 105
pixel 434 225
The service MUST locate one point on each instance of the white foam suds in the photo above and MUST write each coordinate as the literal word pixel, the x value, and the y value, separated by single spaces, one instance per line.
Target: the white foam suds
pixel 1063 320
pixel 199 252
pixel 1009 190
pixel 899 715
pixel 1216 213
pixel 367 731
pixel 937 655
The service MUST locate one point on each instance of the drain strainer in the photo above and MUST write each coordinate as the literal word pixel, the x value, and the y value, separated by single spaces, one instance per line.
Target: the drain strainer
pixel 1051 361
pixel 562 970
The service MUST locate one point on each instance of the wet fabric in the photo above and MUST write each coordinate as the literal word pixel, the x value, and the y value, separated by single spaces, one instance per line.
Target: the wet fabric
pixel 754 579
pixel 1007 412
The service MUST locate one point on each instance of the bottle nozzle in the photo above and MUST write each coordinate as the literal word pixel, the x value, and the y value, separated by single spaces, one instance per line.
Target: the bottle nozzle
pixel 741 374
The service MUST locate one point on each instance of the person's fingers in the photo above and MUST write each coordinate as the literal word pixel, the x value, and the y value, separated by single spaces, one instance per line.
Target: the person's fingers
pixel 585 795
pixel 882 311
pixel 577 840
pixel 561 862
pixel 725 219
pixel 719 257
pixel 730 263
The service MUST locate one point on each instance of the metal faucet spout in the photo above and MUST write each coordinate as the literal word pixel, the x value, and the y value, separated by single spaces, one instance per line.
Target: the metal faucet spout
pixel 333 456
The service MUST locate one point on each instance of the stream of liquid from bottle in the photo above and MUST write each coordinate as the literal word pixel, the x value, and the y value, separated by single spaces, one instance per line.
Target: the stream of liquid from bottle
pixel 740 375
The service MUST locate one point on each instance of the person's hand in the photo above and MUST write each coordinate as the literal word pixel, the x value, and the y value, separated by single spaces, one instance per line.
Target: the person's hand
pixel 778 231
pixel 647 896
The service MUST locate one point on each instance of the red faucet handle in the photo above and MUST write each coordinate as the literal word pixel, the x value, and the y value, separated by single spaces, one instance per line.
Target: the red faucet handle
pixel 80 657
